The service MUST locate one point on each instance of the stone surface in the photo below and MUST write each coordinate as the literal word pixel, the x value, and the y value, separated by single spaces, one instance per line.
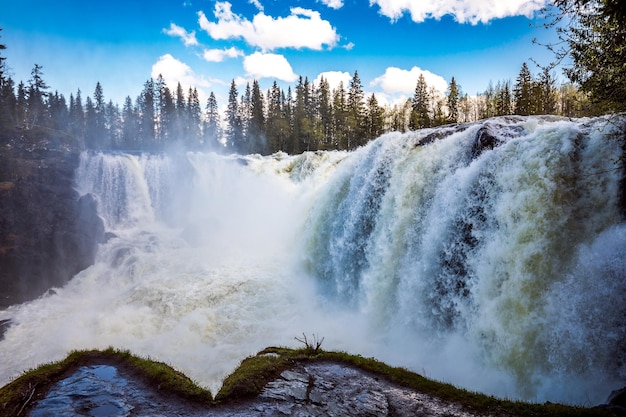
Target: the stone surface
pixel 312 389
pixel 48 233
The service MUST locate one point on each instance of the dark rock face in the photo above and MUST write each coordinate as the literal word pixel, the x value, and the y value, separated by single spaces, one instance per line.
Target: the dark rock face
pixel 491 135
pixel 48 233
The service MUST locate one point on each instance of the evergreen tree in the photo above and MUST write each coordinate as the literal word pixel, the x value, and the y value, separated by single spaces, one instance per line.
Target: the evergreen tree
pixel 194 110
pixel 522 92
pixel 325 113
pixel 547 88
pixel 256 133
pixel 36 96
pixel 90 125
pixel 8 107
pixel 130 126
pixel 146 110
pixel 22 105
pixel 503 99
pixel 234 132
pixel 420 117
pixel 98 128
pixel 356 111
pixel 453 101
pixel 180 120
pixel 373 118
pixel 274 124
pixel 340 117
pixel 113 125
pixel 77 119
pixel 166 120
pixel 2 62
pixel 596 41
pixel 211 131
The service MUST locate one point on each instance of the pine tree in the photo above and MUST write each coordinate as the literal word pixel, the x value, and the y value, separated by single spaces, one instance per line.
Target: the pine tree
pixel 374 118
pixel 356 111
pixel 194 138
pixel 340 117
pixel 595 35
pixel 325 113
pixel 130 126
pixel 234 132
pixel 98 130
pixel 113 125
pixel 77 119
pixel 522 92
pixel 211 131
pixel 453 101
pixel 420 117
pixel 166 117
pixel 36 95
pixel 146 107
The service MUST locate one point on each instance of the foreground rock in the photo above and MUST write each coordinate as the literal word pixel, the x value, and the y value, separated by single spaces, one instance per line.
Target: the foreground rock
pixel 312 389
pixel 48 232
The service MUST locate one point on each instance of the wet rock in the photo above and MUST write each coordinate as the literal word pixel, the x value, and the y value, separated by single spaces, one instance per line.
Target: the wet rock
pixel 617 397
pixel 48 232
pixel 491 135
pixel 314 389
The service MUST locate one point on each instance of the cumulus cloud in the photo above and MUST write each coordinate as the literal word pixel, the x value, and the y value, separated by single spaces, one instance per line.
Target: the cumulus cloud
pixel 334 78
pixel 333 4
pixel 463 11
pixel 175 71
pixel 265 65
pixel 189 38
pixel 303 28
pixel 400 81
pixel 219 55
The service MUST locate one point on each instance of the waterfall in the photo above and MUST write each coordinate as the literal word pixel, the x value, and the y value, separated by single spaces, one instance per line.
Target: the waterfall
pixel 491 255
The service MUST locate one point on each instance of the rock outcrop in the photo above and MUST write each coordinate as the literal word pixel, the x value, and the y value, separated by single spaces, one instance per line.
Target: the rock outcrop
pixel 48 232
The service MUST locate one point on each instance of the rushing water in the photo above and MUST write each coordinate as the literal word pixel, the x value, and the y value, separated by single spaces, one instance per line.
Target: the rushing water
pixel 490 255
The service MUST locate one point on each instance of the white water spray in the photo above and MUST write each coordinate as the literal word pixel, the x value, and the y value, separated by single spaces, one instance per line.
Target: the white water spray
pixel 499 267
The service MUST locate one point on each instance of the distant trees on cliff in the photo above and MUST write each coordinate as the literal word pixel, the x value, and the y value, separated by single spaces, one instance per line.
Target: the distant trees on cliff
pixel 314 116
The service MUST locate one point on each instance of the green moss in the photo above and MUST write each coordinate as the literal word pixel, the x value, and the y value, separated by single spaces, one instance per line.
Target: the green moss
pixel 17 396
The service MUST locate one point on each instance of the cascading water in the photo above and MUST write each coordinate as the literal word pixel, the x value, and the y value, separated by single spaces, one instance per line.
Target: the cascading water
pixel 490 255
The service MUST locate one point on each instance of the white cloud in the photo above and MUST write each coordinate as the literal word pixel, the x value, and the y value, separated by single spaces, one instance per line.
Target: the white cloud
pixel 256 4
pixel 303 28
pixel 263 65
pixel 219 55
pixel 472 11
pixel 175 71
pixel 189 38
pixel 396 80
pixel 334 78
pixel 333 4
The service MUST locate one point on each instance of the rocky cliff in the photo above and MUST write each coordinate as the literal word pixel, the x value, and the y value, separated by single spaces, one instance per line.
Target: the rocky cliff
pixel 48 232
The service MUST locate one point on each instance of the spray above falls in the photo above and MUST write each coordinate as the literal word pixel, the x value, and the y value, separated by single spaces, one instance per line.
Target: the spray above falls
pixel 491 255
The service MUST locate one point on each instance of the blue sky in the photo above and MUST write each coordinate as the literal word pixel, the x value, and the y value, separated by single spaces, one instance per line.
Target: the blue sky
pixel 208 43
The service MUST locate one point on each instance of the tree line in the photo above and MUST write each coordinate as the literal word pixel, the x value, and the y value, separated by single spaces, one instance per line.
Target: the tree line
pixel 313 116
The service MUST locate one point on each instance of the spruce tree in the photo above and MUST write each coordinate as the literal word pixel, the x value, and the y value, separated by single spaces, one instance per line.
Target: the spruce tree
pixel 453 101
pixel 256 134
pixel 211 131
pixel 420 117
pixel 356 111
pixel 595 35
pixel 234 133
pixel 522 92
